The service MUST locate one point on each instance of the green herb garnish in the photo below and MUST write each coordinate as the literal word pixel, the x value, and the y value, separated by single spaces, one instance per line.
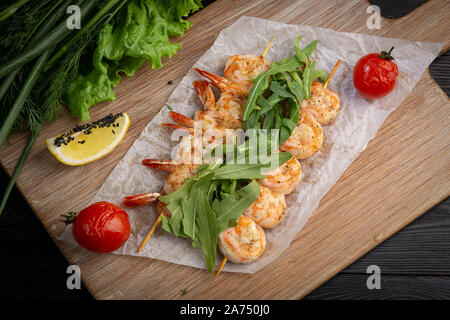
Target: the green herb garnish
pixel 274 101
pixel 213 200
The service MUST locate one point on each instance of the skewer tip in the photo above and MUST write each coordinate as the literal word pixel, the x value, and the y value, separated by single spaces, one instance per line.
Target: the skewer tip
pixel 332 73
pixel 267 48
pixel 149 234
pixel 221 266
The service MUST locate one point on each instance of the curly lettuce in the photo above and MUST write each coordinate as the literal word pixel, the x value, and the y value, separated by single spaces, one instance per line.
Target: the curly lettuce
pixel 139 33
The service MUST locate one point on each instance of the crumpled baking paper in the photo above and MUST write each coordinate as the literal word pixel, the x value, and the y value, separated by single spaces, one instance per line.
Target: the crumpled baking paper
pixel 345 138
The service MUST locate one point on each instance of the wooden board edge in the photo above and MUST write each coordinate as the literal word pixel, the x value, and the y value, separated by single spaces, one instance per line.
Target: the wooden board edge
pixel 413 218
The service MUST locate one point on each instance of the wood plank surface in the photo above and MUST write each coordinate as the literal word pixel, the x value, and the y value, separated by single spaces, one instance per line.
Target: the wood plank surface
pixel 403 172
pixel 354 288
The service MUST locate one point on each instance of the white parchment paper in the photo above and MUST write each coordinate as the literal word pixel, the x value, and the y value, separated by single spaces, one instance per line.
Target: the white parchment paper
pixel 345 138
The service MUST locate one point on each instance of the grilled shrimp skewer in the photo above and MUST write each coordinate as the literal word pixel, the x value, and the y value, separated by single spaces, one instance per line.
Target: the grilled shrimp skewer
pixel 178 172
pixel 284 179
pixel 268 210
pixel 183 168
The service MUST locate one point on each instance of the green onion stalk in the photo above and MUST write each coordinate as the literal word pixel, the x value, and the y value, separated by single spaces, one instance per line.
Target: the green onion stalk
pixel 50 21
pixel 24 92
pixel 10 10
pixel 18 168
pixel 56 36
pixel 91 23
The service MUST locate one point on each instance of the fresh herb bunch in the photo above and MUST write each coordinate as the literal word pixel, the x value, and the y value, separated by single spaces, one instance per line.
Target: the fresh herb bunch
pixel 44 63
pixel 274 101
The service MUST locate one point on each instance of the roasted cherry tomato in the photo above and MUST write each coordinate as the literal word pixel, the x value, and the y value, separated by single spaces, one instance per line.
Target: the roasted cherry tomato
pixel 102 227
pixel 375 74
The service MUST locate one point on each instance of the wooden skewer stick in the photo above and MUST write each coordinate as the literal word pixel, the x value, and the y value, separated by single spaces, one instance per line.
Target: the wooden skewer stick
pixel 221 266
pixel 267 48
pixel 149 234
pixel 332 73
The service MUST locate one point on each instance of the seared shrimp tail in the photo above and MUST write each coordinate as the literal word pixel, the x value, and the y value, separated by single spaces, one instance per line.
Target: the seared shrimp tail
pixel 205 94
pixel 182 119
pixel 219 82
pixel 176 126
pixel 140 199
pixel 166 165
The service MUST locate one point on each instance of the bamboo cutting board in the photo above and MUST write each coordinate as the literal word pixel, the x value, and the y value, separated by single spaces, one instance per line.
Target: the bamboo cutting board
pixel 404 171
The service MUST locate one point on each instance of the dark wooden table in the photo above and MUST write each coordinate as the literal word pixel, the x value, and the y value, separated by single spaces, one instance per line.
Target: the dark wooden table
pixel 414 263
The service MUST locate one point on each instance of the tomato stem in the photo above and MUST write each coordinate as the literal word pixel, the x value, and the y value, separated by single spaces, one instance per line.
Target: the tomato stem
pixel 387 55
pixel 69 218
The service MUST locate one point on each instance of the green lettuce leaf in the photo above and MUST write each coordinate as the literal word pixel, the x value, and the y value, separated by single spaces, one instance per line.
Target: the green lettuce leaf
pixel 139 33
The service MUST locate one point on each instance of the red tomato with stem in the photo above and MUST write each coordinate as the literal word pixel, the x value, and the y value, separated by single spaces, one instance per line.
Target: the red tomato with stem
pixel 375 74
pixel 102 227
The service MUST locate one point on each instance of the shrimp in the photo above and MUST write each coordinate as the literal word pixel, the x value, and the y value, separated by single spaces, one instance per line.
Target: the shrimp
pixel 228 108
pixel 323 104
pixel 204 136
pixel 208 117
pixel 210 134
pixel 268 210
pixel 244 243
pixel 235 86
pixel 178 172
pixel 306 139
pixel 244 68
pixel 285 178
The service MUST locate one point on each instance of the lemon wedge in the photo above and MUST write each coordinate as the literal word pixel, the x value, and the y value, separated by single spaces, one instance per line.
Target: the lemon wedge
pixel 88 142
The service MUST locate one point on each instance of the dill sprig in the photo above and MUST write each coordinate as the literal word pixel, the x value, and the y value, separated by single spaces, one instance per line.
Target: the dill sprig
pixel 63 75
pixel 16 31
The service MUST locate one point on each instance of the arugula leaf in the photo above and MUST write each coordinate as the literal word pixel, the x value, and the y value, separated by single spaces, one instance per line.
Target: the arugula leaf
pixel 262 82
pixel 250 171
pixel 207 231
pixel 280 90
pixel 320 74
pixel 301 57
pixel 190 207
pixel 173 201
pixel 308 75
pixel 228 187
pixel 308 50
pixel 297 89
pixel 232 207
